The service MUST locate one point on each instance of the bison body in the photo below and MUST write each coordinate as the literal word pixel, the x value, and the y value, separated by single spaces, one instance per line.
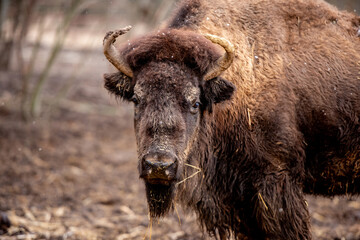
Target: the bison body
pixel 243 144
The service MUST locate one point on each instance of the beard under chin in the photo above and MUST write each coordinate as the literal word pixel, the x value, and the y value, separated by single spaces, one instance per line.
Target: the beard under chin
pixel 160 198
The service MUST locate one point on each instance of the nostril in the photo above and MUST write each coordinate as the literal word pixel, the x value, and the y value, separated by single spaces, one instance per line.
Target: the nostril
pixel 159 161
pixel 159 167
pixel 157 164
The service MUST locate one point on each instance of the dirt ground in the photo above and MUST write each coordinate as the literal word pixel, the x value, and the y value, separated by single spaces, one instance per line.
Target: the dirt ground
pixel 72 173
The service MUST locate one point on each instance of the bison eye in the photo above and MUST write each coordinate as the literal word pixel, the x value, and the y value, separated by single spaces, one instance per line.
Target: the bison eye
pixel 195 107
pixel 135 100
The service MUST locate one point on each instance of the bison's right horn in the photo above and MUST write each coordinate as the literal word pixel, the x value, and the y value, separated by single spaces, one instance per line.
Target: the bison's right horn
pixel 224 61
pixel 112 54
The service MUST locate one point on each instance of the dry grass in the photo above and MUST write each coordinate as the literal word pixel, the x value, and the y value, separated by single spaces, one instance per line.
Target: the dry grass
pixel 192 175
pixel 262 200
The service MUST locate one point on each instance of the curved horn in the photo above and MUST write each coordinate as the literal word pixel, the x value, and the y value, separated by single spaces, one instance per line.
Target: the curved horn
pixel 112 54
pixel 224 61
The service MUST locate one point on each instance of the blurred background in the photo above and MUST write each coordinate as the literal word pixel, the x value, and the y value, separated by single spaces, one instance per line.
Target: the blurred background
pixel 67 148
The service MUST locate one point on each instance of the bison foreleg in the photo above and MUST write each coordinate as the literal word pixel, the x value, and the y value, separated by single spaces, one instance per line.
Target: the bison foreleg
pixel 280 208
pixel 4 223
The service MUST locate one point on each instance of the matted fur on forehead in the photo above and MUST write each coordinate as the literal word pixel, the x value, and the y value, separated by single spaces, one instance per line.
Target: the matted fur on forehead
pixel 180 46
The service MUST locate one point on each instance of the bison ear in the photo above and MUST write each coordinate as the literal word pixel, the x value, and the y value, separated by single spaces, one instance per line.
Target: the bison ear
pixel 217 90
pixel 119 84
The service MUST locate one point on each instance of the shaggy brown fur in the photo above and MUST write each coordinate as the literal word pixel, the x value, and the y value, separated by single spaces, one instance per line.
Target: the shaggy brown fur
pixel 173 45
pixel 291 127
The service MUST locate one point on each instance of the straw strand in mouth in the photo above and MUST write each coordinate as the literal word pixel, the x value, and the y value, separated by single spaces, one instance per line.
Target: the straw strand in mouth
pixel 192 175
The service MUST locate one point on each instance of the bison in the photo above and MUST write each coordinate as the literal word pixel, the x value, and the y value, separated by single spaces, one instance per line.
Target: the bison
pixel 241 108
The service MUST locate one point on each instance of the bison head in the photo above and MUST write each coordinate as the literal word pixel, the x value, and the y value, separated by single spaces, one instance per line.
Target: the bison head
pixel 172 79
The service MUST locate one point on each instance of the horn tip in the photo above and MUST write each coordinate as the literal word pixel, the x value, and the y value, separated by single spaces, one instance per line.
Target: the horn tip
pixel 114 34
pixel 219 40
pixel 122 30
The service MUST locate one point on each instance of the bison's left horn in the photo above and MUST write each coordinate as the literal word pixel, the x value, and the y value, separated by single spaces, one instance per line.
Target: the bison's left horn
pixel 224 61
pixel 112 54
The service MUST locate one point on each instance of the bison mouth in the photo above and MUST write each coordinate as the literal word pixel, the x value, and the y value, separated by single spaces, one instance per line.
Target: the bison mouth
pixel 159 196
pixel 159 181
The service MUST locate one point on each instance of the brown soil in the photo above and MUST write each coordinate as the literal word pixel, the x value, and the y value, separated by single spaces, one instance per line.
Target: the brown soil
pixel 72 174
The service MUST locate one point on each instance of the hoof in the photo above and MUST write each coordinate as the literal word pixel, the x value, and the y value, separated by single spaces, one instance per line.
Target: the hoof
pixel 4 223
